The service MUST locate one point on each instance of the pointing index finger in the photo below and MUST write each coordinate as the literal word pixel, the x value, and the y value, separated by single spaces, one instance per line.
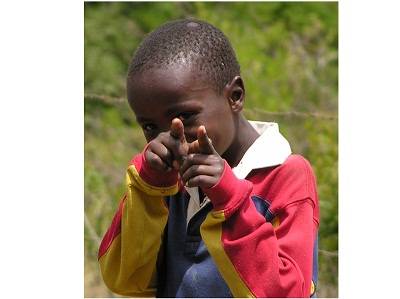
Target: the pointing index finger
pixel 205 143
pixel 177 130
pixel 180 147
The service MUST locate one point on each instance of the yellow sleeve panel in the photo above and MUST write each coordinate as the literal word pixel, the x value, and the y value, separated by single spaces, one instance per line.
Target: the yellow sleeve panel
pixel 211 231
pixel 128 266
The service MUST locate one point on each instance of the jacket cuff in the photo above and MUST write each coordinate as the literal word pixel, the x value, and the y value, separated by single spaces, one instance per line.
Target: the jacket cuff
pixel 229 192
pixel 153 177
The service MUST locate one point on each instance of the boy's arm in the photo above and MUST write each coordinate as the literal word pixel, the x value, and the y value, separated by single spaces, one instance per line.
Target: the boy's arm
pixel 128 252
pixel 255 257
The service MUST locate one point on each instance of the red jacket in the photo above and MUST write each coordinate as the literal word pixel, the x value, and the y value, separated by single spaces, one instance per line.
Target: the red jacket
pixel 261 232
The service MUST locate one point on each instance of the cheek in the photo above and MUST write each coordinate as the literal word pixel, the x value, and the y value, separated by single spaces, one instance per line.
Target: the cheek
pixel 224 137
pixel 219 124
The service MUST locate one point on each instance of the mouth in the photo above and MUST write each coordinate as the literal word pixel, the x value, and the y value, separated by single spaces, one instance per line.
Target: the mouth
pixel 190 139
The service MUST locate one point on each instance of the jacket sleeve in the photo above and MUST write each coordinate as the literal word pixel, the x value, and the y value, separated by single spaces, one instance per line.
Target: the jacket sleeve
pixel 129 249
pixel 257 257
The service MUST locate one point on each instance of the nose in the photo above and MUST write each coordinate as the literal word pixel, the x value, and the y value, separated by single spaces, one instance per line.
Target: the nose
pixel 190 139
pixel 190 134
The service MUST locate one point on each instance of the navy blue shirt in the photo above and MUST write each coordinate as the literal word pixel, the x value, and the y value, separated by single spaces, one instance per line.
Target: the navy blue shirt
pixel 186 268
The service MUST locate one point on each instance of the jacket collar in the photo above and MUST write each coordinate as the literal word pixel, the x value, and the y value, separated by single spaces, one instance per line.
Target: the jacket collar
pixel 270 149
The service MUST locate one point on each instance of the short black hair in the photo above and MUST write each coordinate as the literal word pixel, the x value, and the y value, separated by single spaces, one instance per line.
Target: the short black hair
pixel 191 41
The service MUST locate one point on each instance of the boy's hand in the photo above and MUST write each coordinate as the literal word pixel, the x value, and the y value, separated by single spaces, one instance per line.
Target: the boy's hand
pixel 168 149
pixel 203 166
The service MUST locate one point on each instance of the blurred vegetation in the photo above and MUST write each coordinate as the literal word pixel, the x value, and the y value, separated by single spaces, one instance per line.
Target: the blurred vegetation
pixel 289 61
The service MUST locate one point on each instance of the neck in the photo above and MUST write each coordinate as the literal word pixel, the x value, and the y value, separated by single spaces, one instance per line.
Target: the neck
pixel 245 137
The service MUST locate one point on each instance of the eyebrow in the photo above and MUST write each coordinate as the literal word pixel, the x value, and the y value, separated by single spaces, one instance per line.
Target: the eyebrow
pixel 142 119
pixel 182 106
pixel 192 105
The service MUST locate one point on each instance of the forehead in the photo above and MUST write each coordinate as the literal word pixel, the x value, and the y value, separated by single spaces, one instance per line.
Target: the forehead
pixel 166 86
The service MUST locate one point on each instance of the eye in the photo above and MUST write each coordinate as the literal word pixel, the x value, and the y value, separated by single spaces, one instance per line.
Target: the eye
pixel 185 116
pixel 148 128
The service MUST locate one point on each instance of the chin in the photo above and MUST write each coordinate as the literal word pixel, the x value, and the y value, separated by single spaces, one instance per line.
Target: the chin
pixel 220 152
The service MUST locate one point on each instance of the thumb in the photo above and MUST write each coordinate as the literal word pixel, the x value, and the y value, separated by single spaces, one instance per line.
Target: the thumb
pixel 205 143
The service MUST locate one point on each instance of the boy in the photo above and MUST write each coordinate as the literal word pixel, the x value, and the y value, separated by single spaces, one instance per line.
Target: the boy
pixel 215 206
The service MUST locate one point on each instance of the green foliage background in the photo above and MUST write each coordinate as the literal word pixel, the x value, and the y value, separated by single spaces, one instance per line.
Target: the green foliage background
pixel 289 61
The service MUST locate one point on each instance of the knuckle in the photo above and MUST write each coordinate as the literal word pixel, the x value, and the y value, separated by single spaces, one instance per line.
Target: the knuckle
pixel 162 138
pixel 192 171
pixel 149 156
pixel 158 139
pixel 163 134
pixel 197 179
pixel 153 163
pixel 218 170
pixel 190 158
pixel 151 144
pixel 190 182
pixel 186 177
pixel 200 179
pixel 193 181
pixel 221 163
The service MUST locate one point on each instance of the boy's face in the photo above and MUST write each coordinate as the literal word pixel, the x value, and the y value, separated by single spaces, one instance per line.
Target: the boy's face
pixel 159 95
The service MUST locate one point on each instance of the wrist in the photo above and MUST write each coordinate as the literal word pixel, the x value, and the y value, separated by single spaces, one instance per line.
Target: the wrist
pixel 151 176
pixel 229 191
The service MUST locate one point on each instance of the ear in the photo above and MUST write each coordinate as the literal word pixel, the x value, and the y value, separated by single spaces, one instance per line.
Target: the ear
pixel 234 92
